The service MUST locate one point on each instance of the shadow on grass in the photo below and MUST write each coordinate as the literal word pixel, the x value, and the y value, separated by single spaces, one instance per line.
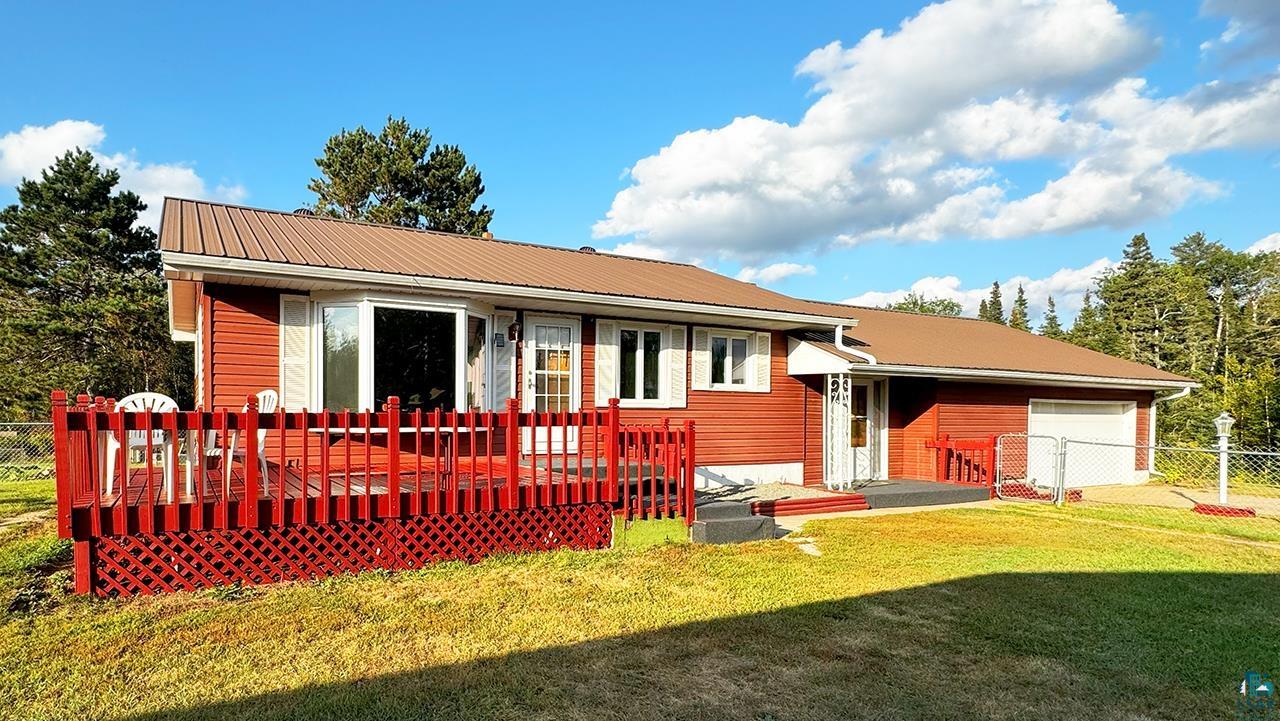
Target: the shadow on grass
pixel 1010 646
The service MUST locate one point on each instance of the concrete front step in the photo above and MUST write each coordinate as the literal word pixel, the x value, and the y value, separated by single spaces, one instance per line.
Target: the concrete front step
pixel 716 510
pixel 732 530
pixel 903 494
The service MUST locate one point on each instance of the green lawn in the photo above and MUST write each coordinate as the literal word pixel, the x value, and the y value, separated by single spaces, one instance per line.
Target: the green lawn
pixel 20 494
pixel 983 614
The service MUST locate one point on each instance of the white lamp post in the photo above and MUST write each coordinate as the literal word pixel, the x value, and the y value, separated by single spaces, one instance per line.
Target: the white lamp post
pixel 1223 424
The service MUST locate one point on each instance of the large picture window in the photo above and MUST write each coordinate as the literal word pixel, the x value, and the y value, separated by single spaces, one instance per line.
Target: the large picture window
pixel 640 364
pixel 428 354
pixel 415 357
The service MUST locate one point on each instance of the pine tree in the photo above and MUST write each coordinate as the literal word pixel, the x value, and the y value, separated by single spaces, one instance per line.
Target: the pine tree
pixel 1088 330
pixel 993 308
pixel 1018 317
pixel 1141 301
pixel 84 301
pixel 391 178
pixel 1050 327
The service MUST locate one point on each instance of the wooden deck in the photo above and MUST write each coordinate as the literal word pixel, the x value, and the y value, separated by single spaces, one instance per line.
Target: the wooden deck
pixel 358 482
pixel 342 484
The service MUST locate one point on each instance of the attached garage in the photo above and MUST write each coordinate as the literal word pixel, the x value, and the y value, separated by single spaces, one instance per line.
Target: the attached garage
pixel 1102 434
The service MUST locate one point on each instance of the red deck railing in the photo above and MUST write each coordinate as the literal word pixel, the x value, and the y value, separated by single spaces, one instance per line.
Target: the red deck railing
pixel 969 461
pixel 343 466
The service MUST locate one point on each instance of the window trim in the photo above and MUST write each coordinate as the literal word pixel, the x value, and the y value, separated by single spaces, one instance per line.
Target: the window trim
pixel 664 366
pixel 365 302
pixel 748 337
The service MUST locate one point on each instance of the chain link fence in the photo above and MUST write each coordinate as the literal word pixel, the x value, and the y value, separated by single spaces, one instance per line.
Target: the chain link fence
pixel 26 450
pixel 1234 492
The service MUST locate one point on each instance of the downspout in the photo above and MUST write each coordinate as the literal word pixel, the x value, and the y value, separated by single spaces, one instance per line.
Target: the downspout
pixel 870 359
pixel 1186 391
pixel 1151 424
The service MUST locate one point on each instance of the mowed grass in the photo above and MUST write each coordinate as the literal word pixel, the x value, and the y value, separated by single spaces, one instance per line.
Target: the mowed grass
pixel 983 614
pixel 1260 528
pixel 31 555
pixel 20 495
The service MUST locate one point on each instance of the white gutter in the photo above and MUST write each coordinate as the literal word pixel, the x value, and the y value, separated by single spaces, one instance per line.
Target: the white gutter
pixel 1005 375
pixel 870 359
pixel 194 263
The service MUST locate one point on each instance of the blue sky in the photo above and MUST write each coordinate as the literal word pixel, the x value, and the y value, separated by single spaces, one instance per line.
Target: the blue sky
pixel 555 103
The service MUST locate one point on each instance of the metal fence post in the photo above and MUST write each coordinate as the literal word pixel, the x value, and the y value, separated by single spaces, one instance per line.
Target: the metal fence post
pixel 1060 483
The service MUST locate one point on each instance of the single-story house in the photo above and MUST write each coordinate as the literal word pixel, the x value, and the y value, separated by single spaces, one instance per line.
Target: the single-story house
pixel 338 314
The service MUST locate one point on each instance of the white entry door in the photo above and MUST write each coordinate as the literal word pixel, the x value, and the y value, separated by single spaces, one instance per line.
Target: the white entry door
pixel 850 433
pixel 552 377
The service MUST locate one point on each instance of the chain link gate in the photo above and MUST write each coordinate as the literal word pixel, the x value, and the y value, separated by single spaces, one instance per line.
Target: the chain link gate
pixel 1028 468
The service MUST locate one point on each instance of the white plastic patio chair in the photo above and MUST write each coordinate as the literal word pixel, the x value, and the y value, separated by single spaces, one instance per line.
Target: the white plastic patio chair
pixel 268 400
pixel 135 440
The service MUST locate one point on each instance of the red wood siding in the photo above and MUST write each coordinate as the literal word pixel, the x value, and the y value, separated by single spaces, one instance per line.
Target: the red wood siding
pixel 783 426
pixel 733 428
pixel 913 419
pixel 921 409
pixel 813 429
pixel 243 356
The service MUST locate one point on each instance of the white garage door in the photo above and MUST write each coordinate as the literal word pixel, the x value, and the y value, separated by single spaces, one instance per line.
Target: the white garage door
pixel 1107 429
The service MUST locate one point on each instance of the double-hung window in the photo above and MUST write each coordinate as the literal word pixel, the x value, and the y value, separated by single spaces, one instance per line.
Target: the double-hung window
pixel 730 356
pixel 640 365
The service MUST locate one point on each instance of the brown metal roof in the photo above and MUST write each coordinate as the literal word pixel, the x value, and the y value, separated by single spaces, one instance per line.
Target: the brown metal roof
pixel 897 338
pixel 202 228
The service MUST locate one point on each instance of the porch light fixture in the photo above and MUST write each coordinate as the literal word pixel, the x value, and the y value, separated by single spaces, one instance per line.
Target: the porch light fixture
pixel 513 331
pixel 1223 423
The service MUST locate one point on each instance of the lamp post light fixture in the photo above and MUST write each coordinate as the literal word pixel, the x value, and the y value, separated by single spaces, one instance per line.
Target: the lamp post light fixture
pixel 1223 424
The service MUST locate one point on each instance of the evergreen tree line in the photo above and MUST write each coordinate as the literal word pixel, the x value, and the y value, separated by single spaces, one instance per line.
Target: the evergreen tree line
pixel 82 295
pixel 1207 312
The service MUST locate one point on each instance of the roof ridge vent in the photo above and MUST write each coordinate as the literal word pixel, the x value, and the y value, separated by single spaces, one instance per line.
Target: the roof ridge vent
pixel 304 210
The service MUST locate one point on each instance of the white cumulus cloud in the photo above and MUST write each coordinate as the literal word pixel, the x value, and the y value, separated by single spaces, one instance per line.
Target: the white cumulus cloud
pixel 774 272
pixel 26 152
pixel 1269 244
pixel 911 129
pixel 1066 286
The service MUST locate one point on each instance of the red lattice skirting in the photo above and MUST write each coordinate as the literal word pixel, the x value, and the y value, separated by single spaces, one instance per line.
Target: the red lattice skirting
pixel 191 560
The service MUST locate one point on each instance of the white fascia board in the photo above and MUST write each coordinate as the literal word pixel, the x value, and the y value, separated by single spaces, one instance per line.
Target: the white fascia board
pixel 1057 379
pixel 268 269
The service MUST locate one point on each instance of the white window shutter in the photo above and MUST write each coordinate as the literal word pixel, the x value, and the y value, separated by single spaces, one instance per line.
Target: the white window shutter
pixel 763 361
pixel 295 352
pixel 606 371
pixel 504 361
pixel 701 359
pixel 676 360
